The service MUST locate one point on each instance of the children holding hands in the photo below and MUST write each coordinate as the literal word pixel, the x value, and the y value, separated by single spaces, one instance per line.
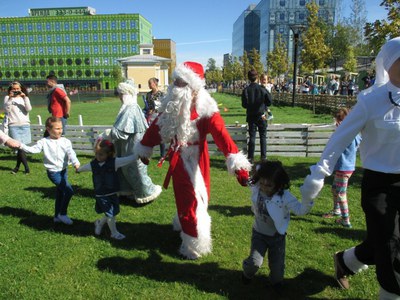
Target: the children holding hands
pixel 272 203
pixel 106 185
pixel 58 152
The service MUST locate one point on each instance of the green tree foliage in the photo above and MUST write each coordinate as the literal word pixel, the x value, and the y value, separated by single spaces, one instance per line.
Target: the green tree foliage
pixel 255 59
pixel 379 31
pixel 237 70
pixel 277 59
pixel 315 51
pixel 116 74
pixel 211 65
pixel 351 61
pixel 245 64
pixel 214 76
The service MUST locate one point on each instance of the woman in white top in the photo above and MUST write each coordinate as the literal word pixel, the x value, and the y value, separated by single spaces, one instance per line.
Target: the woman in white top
pixel 377 116
pixel 17 107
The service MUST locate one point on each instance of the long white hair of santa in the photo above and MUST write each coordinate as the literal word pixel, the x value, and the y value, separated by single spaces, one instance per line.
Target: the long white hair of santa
pixel 174 122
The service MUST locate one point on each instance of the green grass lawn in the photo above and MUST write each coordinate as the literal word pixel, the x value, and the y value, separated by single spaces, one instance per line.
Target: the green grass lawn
pixel 43 260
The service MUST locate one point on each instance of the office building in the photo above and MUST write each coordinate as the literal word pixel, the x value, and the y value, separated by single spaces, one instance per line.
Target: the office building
pixel 74 43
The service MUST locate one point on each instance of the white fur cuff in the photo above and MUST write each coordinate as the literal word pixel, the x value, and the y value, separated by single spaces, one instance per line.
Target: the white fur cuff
pixel 236 162
pixel 351 261
pixel 143 151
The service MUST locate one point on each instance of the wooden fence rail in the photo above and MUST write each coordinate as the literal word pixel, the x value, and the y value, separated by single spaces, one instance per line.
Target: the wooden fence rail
pixel 298 140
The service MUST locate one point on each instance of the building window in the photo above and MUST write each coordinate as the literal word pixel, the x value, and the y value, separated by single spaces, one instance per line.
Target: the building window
pixel 30 39
pixel 66 26
pixel 60 62
pixel 21 27
pixel 40 39
pixel 113 25
pixel 78 61
pixel 133 24
pixel 321 2
pixel 123 37
pixel 48 26
pixel 3 27
pixel 68 49
pixel 94 25
pixel 41 50
pixel 114 37
pixel 133 36
pixel 104 37
pixel 282 16
pixel 86 37
pixel 105 49
pixel 95 37
pixel 123 25
pixel 96 49
pixel 87 61
pixel 58 38
pixel 282 2
pixel 70 73
pixel 50 50
pixel 302 16
pixel 77 50
pixel 76 37
pixel 13 40
pixel 49 38
pixel 115 48
pixel 79 73
pixel 85 25
pixel 133 49
pixel 76 26
pixel 125 50
pixel 69 61
pixel 12 27
pixel 87 49
pixel 22 39
pixel 104 25
pixel 59 50
pixel 4 39
pixel 105 63
pixel 58 26
pixel 302 2
pixel 23 50
pixel 32 50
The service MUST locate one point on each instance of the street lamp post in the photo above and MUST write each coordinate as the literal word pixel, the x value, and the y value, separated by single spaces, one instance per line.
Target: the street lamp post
pixel 297 29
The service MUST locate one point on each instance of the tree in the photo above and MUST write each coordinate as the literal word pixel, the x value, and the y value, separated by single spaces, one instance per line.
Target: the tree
pixel 211 64
pixel 379 31
pixel 245 64
pixel 237 70
pixel 356 21
pixel 315 51
pixel 116 74
pixel 256 61
pixel 351 61
pixel 214 76
pixel 277 59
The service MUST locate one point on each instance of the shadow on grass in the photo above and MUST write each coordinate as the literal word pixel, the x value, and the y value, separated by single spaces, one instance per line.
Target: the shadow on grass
pixel 141 236
pixel 210 278
pixel 344 233
pixel 231 211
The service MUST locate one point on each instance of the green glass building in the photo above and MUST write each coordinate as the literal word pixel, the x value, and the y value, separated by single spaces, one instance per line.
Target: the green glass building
pixel 73 43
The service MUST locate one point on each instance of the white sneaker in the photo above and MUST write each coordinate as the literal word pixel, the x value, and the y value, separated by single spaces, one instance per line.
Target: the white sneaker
pixel 98 227
pixel 65 219
pixel 118 236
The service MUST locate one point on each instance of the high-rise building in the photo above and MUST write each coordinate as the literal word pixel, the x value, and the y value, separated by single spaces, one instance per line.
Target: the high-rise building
pixel 277 17
pixel 166 48
pixel 73 43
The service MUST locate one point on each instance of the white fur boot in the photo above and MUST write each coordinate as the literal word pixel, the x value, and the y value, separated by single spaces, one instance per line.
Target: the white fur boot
pixel 113 228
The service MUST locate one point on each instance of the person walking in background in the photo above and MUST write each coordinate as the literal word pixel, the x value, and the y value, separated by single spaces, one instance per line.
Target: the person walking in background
pixel 188 115
pixel 376 116
pixel 343 170
pixel 272 203
pixel 106 184
pixel 17 107
pixel 153 99
pixel 58 153
pixel 128 129
pixel 59 104
pixel 256 100
pixel 265 82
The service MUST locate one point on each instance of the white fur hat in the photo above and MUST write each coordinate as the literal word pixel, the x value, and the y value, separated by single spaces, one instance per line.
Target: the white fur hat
pixel 192 73
pixel 127 88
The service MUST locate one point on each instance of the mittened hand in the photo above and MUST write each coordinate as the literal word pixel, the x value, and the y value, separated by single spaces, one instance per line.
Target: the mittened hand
pixel 242 177
pixel 145 160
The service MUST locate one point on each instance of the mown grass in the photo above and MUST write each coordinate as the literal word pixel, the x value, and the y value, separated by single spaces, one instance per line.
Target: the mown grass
pixel 41 260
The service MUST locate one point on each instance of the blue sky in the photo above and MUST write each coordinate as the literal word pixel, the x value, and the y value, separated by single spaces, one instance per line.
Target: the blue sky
pixel 202 29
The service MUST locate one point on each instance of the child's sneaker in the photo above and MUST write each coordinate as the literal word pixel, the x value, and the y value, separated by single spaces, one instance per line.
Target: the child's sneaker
pixel 65 219
pixel 343 223
pixel 118 236
pixel 331 214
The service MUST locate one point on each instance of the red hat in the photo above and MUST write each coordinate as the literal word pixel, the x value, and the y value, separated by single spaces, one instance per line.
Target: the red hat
pixel 195 67
pixel 192 73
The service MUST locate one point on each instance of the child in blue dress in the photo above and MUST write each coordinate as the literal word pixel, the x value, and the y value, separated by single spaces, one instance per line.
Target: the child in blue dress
pixel 106 185
pixel 272 203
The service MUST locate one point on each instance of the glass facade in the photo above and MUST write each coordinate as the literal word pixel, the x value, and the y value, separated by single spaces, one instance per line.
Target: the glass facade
pixel 275 17
pixel 79 47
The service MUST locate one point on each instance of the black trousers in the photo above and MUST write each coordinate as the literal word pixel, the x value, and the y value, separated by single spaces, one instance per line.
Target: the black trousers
pixel 380 201
pixel 261 126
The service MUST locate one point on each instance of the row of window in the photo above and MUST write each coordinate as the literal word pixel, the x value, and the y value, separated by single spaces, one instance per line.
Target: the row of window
pixel 68 38
pixel 70 50
pixel 104 61
pixel 300 15
pixel 301 2
pixel 60 73
pixel 57 26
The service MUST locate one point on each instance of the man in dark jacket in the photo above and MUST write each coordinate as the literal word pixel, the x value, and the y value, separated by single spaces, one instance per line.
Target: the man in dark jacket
pixel 256 99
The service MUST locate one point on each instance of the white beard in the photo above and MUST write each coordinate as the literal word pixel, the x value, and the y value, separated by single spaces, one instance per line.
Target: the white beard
pixel 175 118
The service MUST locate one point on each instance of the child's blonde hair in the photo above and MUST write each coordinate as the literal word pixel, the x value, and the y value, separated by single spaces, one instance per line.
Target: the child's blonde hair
pixel 106 147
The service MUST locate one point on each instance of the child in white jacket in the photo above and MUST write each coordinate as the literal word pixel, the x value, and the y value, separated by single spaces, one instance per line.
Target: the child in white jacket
pixel 271 204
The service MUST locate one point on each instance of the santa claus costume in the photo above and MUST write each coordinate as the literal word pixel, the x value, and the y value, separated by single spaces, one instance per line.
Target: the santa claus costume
pixel 188 114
